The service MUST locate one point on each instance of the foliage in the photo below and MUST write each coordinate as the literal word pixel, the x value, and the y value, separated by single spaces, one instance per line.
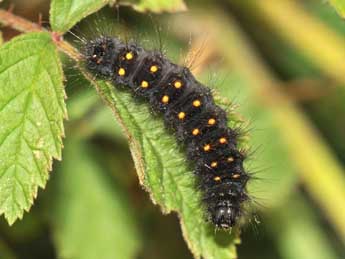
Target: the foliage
pixel 32 110
pixel 338 5
pixel 92 206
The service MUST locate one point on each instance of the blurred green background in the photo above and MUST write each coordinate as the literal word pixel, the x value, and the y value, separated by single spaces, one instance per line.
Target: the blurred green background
pixel 282 62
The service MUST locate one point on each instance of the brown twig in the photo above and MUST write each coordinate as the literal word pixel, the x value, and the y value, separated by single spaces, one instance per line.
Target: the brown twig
pixel 23 25
pixel 18 23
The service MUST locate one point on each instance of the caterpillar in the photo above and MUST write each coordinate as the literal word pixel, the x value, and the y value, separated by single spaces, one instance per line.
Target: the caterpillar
pixel 187 108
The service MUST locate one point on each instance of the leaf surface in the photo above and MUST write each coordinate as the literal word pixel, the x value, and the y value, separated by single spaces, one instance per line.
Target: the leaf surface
pixel 64 14
pixel 32 110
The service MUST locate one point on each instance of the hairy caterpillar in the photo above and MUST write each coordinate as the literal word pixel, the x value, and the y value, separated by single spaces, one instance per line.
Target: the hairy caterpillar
pixel 189 109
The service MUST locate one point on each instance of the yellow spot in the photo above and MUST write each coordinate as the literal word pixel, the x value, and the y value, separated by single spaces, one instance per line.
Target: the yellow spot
pixel 211 121
pixel 144 84
pixel 236 176
pixel 165 99
pixel 217 179
pixel 195 132
pixel 178 84
pixel 222 140
pixel 196 103
pixel 153 69
pixel 181 115
pixel 214 164
pixel 122 72
pixel 129 55
pixel 207 147
pixel 230 159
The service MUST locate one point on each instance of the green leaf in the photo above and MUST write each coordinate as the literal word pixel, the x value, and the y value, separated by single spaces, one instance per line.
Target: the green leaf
pixel 163 170
pixel 64 14
pixel 339 6
pixel 157 5
pixel 91 218
pixel 32 109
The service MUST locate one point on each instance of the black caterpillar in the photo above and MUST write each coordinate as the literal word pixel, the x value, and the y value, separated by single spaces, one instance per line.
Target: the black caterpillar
pixel 189 109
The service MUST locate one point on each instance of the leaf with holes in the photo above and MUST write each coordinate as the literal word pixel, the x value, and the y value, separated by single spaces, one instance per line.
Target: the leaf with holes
pixel 32 109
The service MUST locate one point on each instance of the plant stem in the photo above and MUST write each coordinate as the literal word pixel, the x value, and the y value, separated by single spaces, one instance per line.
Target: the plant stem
pixel 23 25
pixel 20 24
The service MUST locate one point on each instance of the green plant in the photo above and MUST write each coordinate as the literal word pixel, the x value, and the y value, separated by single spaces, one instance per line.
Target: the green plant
pixel 84 204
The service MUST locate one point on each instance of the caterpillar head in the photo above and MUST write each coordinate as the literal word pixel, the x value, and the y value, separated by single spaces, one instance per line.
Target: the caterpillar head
pixel 225 216
pixel 100 55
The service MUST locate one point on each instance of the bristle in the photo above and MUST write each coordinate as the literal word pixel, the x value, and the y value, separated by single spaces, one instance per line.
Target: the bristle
pixel 187 108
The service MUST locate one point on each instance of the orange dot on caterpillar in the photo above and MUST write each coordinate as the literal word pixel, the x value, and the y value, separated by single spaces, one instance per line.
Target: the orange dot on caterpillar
pixel 196 103
pixel 214 164
pixel 211 121
pixel 217 179
pixel 177 84
pixel 129 55
pixel 153 69
pixel 207 147
pixel 165 99
pixel 222 140
pixel 195 132
pixel 236 176
pixel 230 159
pixel 99 61
pixel 144 84
pixel 121 72
pixel 181 115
